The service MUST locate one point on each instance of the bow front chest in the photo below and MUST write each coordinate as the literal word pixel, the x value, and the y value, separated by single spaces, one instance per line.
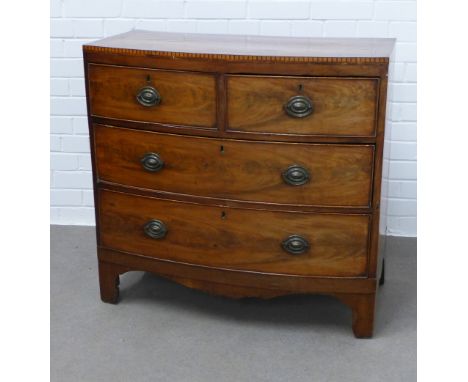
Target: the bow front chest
pixel 241 166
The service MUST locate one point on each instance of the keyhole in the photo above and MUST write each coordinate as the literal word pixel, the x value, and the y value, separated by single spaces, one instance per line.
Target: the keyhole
pixel 221 149
pixel 300 87
pixel 148 78
pixel 223 215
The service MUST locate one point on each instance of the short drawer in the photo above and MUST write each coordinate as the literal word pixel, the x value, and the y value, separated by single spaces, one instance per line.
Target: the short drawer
pixel 148 95
pixel 302 105
pixel 232 238
pixel 265 172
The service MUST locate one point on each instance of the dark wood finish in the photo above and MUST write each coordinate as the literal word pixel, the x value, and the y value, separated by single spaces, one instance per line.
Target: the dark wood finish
pixel 341 106
pixel 381 197
pixel 231 291
pixel 109 280
pixel 236 238
pixel 382 273
pixel 233 203
pixel 363 309
pixel 213 133
pixel 281 284
pixel 242 65
pixel 358 294
pixel 341 175
pixel 186 98
pixel 252 48
pixel 343 145
pixel 379 177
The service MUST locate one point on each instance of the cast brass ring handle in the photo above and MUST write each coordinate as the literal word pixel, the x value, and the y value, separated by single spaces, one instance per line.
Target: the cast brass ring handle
pixel 155 229
pixel 148 96
pixel 152 162
pixel 299 106
pixel 296 175
pixel 295 245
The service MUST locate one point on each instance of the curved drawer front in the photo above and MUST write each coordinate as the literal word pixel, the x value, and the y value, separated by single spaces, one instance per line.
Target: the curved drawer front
pixel 302 105
pixel 147 95
pixel 284 173
pixel 232 238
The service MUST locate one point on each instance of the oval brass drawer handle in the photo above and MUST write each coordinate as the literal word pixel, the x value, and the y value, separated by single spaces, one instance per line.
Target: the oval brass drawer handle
pixel 148 96
pixel 152 162
pixel 299 106
pixel 295 245
pixel 296 175
pixel 155 229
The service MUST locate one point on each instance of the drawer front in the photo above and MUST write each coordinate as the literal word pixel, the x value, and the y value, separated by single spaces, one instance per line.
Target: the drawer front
pixel 263 241
pixel 286 173
pixel 302 105
pixel 171 97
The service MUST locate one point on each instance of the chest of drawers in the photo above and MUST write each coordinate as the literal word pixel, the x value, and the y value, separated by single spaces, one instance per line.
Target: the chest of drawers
pixel 241 166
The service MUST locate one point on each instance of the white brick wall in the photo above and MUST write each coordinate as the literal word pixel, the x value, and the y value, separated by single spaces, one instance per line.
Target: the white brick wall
pixel 74 22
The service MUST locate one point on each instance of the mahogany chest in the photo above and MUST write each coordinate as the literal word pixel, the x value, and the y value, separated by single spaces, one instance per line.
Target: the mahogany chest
pixel 241 166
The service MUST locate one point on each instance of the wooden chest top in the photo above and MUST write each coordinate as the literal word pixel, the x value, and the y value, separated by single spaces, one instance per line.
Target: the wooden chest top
pixel 226 47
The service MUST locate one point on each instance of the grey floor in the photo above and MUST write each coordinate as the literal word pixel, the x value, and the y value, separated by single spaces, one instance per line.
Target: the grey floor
pixel 161 331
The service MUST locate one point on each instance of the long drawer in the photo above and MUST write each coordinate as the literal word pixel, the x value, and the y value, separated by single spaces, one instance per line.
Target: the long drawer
pixel 148 95
pixel 325 106
pixel 232 238
pixel 265 172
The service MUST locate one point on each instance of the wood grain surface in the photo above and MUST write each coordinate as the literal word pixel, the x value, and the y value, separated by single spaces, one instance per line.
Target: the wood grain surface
pixel 253 48
pixel 225 138
pixel 342 106
pixel 236 238
pixel 341 175
pixel 186 98
pixel 278 283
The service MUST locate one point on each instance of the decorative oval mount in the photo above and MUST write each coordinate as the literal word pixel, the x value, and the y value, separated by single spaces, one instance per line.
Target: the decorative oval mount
pixel 148 96
pixel 296 175
pixel 152 162
pixel 295 245
pixel 299 106
pixel 155 229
